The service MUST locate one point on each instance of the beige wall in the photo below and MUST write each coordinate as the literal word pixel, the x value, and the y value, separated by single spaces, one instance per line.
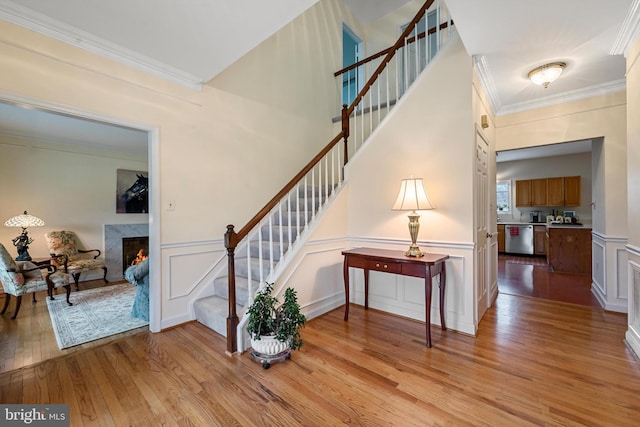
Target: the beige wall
pixel 430 130
pixel 219 154
pixel 633 160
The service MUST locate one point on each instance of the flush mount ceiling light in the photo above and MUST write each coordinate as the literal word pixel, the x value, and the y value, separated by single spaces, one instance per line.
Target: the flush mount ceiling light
pixel 545 74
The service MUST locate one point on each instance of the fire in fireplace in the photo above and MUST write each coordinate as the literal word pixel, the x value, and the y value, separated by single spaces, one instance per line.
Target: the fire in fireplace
pixel 134 250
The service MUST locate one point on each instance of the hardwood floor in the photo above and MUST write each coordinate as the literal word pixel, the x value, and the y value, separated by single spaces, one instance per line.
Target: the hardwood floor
pixel 531 276
pixel 533 362
pixel 29 339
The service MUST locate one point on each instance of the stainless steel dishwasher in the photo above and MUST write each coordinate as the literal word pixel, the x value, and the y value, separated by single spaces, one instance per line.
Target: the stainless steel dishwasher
pixel 518 239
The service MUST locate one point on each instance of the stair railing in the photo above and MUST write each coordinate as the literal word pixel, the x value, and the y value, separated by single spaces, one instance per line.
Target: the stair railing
pixel 323 175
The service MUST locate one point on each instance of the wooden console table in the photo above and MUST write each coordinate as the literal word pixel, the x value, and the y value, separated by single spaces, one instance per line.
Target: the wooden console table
pixel 397 262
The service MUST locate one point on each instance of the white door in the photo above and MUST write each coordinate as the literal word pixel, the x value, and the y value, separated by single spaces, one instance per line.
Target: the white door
pixel 482 225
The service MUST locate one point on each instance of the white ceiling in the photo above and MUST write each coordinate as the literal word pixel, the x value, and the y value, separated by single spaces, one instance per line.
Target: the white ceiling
pixel 190 45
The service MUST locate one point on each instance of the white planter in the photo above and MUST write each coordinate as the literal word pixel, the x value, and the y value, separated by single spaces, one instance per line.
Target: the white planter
pixel 268 345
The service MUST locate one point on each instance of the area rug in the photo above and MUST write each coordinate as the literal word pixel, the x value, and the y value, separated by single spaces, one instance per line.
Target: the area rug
pixel 95 313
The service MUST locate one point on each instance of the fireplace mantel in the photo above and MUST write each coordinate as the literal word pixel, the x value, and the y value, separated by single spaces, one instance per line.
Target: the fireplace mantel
pixel 113 234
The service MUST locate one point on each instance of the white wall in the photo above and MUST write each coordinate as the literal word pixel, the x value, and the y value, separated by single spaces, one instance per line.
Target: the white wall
pixel 548 167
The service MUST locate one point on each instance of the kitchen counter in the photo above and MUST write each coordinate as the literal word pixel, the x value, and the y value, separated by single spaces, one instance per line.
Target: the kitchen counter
pixel 584 225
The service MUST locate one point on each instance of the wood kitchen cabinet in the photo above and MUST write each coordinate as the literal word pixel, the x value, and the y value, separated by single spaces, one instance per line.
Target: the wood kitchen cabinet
pixel 572 191
pixel 500 237
pixel 555 191
pixel 560 191
pixel 539 192
pixel 523 192
pixel 539 240
pixel 569 250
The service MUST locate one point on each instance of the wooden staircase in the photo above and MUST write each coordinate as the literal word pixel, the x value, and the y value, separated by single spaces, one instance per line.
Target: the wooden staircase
pixel 258 252
pixel 262 256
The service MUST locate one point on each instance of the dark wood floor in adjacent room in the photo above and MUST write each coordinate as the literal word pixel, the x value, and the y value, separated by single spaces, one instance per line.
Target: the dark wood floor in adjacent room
pixel 531 276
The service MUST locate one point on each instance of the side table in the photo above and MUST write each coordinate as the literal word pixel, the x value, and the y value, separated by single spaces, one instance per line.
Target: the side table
pixel 396 262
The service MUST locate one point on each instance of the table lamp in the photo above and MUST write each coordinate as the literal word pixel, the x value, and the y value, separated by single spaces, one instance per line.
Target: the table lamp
pixel 412 197
pixel 22 241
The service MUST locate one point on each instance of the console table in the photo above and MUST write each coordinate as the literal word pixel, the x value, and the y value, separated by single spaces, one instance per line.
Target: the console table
pixel 396 262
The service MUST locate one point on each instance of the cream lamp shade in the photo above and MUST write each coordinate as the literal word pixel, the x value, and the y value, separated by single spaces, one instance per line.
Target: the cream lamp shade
pixel 23 221
pixel 22 241
pixel 412 197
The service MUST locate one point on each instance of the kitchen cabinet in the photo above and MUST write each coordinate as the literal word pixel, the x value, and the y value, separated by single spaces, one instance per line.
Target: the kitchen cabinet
pixel 555 191
pixel 500 237
pixel 539 192
pixel 523 193
pixel 569 250
pixel 539 240
pixel 572 191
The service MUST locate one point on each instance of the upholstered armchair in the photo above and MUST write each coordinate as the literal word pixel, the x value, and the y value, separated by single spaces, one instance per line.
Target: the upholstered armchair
pixel 22 277
pixel 68 255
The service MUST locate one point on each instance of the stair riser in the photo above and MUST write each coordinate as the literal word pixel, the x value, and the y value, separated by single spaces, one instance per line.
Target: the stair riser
pixel 296 218
pixel 221 288
pixel 276 234
pixel 254 250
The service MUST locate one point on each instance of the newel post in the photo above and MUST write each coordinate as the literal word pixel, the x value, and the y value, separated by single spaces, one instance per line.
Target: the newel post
pixel 345 131
pixel 230 242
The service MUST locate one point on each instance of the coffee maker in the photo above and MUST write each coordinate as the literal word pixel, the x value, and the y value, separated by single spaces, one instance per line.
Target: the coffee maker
pixel 536 216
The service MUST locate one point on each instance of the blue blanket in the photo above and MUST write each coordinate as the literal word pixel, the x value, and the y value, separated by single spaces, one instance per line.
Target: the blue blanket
pixel 138 275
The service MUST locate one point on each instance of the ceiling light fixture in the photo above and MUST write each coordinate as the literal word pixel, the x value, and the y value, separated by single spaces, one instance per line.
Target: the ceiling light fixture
pixel 545 74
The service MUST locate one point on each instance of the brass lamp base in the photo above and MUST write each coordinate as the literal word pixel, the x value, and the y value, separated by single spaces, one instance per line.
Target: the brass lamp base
pixel 414 227
pixel 414 251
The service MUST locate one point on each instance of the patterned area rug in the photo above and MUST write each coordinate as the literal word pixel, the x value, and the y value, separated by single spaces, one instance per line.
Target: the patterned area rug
pixel 95 313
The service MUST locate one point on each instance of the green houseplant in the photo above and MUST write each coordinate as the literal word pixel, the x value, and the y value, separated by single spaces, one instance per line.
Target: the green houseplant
pixel 269 320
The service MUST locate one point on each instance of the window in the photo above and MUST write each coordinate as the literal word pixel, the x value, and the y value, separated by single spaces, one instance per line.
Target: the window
pixel 503 197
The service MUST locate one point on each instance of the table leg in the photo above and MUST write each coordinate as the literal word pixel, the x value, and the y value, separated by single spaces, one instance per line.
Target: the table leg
pixel 345 272
pixel 366 289
pixel 443 284
pixel 427 297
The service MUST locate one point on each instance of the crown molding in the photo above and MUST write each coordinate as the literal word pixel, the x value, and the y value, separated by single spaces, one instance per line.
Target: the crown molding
pixel 629 32
pixel 482 70
pixel 574 95
pixel 39 23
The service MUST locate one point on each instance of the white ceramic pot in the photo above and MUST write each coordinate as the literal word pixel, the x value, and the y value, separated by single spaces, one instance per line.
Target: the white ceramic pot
pixel 269 345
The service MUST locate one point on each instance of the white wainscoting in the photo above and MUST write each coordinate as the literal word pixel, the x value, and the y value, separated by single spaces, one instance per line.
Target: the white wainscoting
pixel 610 276
pixel 633 268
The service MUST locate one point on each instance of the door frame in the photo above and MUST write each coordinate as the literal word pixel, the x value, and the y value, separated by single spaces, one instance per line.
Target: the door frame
pixel 153 148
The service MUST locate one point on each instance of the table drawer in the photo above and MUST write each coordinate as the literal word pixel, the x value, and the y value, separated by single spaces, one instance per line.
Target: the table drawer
pixel 414 270
pixel 388 267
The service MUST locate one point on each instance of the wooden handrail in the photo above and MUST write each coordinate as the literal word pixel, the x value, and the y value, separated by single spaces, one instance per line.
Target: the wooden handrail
pixel 233 238
pixel 377 55
pixel 244 231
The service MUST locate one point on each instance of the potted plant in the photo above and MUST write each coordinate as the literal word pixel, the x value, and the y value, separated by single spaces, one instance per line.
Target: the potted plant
pixel 274 328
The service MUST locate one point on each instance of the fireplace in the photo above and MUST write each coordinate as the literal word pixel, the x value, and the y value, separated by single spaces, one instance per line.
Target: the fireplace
pixel 131 247
pixel 113 238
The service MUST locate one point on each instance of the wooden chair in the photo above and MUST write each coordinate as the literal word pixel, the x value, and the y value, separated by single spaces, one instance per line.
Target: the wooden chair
pixel 22 277
pixel 66 253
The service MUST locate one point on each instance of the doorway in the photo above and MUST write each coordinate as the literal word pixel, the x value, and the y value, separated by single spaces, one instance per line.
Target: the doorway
pixel 530 275
pixel 352 80
pixel 45 124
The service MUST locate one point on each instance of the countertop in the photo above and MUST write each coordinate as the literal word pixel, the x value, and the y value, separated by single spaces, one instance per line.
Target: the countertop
pixel 584 225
